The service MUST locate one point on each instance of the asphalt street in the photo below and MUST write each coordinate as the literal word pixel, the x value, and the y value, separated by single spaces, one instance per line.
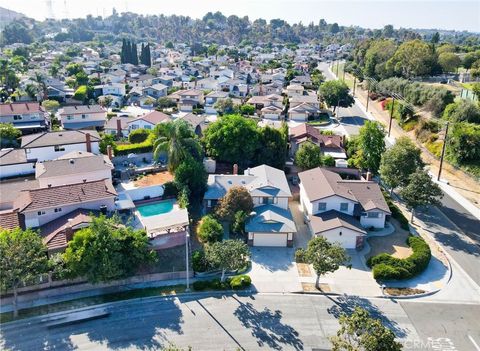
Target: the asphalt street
pixel 250 322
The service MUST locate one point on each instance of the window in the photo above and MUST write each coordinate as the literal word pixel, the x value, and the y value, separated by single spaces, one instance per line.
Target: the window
pixel 374 214
pixel 134 126
pixel 84 116
pixel 58 148
pixel 69 118
pixel 59 209
pixel 41 213
pixel 17 117
pixel 344 206
pixel 269 200
pixel 148 127
pixel 322 206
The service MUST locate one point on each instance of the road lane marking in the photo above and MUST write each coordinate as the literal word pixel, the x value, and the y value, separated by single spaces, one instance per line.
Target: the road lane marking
pixel 473 342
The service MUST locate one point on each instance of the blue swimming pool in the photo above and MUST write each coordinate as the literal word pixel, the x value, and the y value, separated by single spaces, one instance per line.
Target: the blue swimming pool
pixel 156 208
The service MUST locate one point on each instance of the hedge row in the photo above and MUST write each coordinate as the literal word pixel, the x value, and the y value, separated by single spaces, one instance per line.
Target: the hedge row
pixel 145 146
pixel 396 213
pixel 237 282
pixel 387 267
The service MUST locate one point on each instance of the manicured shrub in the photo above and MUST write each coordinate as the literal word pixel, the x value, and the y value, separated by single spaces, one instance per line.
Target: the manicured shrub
pixel 209 230
pixel 138 136
pixel 240 282
pixel 387 267
pixel 300 256
pixel 199 264
pixel 170 189
pixel 200 285
pixel 145 146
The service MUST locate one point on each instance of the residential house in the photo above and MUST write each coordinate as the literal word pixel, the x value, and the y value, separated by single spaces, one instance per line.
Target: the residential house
pixel 262 101
pixel 295 90
pixel 29 117
pixel 155 91
pixel 331 145
pixel 212 98
pixel 148 121
pixel 51 145
pixel 117 126
pixel 341 210
pixel 14 163
pixel 303 112
pixel 271 112
pixel 187 99
pixel 271 223
pixel 83 117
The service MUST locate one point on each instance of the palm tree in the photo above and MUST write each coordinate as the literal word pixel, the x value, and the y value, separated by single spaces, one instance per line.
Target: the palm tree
pixel 178 141
pixel 40 80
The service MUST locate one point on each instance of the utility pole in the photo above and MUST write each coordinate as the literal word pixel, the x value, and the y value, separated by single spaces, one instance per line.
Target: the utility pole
pixel 354 85
pixel 391 116
pixel 368 98
pixel 337 68
pixel 187 240
pixel 344 73
pixel 443 152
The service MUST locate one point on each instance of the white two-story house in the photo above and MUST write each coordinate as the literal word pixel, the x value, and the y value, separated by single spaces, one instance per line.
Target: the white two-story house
pixel 271 223
pixel 341 210
pixel 51 145
pixel 148 121
pixel 82 117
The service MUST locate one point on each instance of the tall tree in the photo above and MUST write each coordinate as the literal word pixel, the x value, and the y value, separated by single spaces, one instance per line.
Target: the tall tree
pixel 236 199
pixel 359 331
pixel 399 162
pixel 420 191
pixel 272 149
pixel 23 257
pixel 371 144
pixel 134 54
pixel 336 93
pixel 308 156
pixel 209 230
pixel 413 59
pixel 228 255
pixel 325 256
pixel 178 140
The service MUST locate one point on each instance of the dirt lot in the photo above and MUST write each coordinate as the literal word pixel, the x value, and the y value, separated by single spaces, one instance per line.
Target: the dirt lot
pixel 153 179
pixel 394 244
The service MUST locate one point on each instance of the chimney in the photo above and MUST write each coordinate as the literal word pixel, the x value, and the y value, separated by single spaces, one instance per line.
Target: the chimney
pixel 119 127
pixel 109 152
pixel 88 141
pixel 68 231
pixel 235 169
pixel 344 140
pixel 369 177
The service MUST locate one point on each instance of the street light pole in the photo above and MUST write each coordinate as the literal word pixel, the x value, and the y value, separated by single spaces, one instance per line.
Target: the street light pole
pixel 368 98
pixel 443 152
pixel 391 116
pixel 337 68
pixel 187 240
pixel 354 85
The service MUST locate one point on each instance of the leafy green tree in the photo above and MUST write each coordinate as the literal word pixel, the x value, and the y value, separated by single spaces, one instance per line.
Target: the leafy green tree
pixel 192 175
pixel 449 61
pixel 51 105
pixel 183 198
pixel 106 140
pixel 359 331
pixel 328 161
pixel 81 93
pixel 462 111
pixel 399 162
pixel 209 230
pixel 272 149
pixel 178 140
pixel 413 58
pixel 23 257
pixel 233 139
pixel 169 45
pixel 107 250
pixel 463 144
pixel 16 32
pixel 325 256
pixel 139 135
pixel 308 156
pixel 73 68
pixel 238 223
pixel 336 93
pixel 376 57
pixel 224 106
pixel 105 101
pixel 247 109
pixel 236 199
pixel 9 135
pixel 371 145
pixel 420 191
pixel 470 59
pixel 228 255
pixel 476 90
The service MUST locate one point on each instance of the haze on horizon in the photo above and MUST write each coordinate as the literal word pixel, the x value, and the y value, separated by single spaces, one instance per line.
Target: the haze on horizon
pixel 427 14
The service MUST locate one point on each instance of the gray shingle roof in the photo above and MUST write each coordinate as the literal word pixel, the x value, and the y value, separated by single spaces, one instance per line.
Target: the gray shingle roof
pixel 271 219
pixel 72 163
pixel 58 138
pixel 12 157
pixel 333 219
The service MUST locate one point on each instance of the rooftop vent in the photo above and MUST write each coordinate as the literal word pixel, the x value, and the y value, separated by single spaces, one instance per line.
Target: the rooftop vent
pixel 71 161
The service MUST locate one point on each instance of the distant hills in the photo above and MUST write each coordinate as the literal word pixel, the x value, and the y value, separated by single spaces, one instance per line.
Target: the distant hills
pixel 7 16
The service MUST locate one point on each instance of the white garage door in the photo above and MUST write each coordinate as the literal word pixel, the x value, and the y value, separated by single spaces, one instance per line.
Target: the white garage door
pixel 260 239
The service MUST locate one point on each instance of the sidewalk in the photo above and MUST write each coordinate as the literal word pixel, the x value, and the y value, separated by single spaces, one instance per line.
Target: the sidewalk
pixel 460 185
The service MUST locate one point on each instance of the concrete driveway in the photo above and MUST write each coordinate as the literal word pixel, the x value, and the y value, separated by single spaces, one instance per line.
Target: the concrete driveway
pixel 274 270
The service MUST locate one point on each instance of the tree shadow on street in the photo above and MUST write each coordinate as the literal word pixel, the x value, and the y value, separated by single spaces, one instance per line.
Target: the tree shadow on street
pixel 346 304
pixel 267 328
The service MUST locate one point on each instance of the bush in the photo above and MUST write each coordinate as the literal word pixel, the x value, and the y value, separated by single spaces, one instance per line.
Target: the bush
pixel 200 285
pixel 209 230
pixel 240 282
pixel 214 284
pixel 199 263
pixel 145 146
pixel 138 136
pixel 396 213
pixel 300 256
pixel 387 267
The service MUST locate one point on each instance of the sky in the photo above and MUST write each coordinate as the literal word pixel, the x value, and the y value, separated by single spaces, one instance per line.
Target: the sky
pixel 439 14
